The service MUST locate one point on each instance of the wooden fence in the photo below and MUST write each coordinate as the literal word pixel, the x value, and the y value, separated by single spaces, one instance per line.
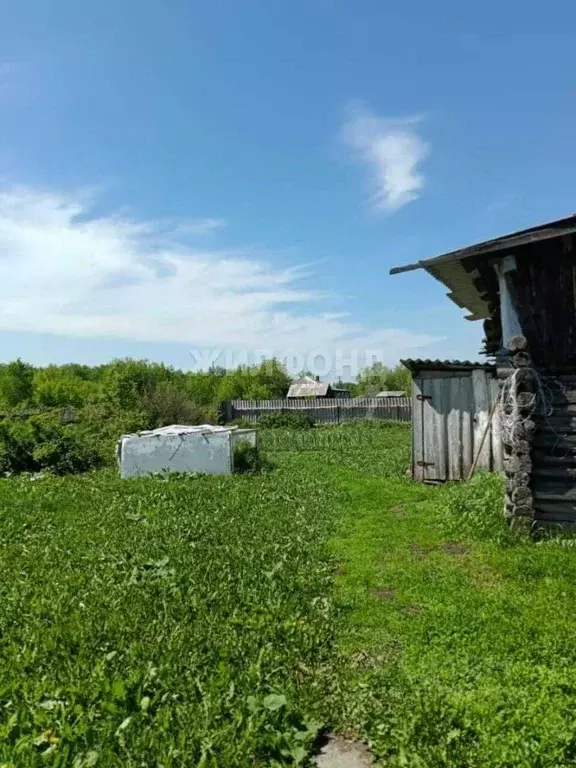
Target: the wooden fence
pixel 329 411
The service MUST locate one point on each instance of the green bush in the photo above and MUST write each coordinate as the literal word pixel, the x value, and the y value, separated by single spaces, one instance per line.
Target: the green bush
pixel 266 380
pixel 104 425
pixel 246 457
pixel 61 386
pixel 16 384
pixel 66 453
pixel 287 420
pixel 17 442
pixel 166 404
pixel 44 443
pixel 244 424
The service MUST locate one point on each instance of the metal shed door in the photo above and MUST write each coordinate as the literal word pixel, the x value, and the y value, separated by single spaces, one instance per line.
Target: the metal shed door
pixel 442 433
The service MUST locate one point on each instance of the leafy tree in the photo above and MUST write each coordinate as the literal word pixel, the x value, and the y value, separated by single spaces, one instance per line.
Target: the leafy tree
pixel 58 386
pixel 372 378
pixel 267 380
pixel 399 378
pixel 167 403
pixel 110 400
pixel 125 382
pixel 234 384
pixel 202 386
pixel 16 384
pixel 377 377
pixel 271 376
pixel 350 386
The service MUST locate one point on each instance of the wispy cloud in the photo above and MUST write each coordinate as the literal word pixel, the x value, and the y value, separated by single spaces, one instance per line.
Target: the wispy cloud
pixel 197 227
pixel 67 272
pixel 392 150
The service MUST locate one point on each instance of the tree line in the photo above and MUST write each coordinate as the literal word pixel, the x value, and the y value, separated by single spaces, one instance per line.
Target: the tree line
pixel 67 418
pixel 141 384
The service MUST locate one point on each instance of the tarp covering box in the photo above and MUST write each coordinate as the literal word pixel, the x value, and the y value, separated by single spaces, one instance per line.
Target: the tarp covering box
pixel 207 449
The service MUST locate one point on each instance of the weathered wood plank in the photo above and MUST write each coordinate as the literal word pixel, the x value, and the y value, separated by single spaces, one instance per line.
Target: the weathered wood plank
pixel 481 393
pixel 467 406
pixel 547 489
pixel 560 396
pixel 453 390
pixel 434 426
pixel 439 406
pixel 555 442
pixel 555 472
pixel 558 423
pixel 543 458
pixel 496 442
pixel 417 431
pixel 555 511
pixel 429 431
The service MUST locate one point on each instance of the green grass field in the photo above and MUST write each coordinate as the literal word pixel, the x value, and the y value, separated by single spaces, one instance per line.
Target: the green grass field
pixel 225 621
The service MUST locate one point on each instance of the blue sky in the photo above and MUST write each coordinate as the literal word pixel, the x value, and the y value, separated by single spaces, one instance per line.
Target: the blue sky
pixel 190 177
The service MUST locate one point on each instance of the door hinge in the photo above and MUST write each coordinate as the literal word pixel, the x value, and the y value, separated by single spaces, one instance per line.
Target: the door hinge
pixel 425 464
pixel 423 397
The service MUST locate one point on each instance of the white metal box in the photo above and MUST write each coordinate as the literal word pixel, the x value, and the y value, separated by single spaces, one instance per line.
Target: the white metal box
pixel 207 449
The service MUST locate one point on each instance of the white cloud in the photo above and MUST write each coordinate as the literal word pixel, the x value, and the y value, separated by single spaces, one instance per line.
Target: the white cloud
pixel 392 150
pixel 65 271
pixel 192 227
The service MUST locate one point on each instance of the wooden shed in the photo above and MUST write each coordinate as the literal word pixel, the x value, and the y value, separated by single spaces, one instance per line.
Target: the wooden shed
pixel 451 427
pixel 523 287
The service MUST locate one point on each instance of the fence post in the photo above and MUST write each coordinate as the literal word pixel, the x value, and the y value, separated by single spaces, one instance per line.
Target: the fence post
pixel 225 412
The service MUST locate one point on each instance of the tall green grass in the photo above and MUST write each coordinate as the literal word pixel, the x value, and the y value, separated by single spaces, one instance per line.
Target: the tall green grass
pixel 222 621
pixel 172 623
pixel 457 634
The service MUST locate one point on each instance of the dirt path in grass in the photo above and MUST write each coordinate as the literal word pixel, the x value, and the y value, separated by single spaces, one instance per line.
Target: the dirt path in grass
pixel 341 753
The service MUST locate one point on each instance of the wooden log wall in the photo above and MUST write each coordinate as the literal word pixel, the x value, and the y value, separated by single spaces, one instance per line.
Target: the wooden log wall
pixel 543 290
pixel 554 458
pixel 519 392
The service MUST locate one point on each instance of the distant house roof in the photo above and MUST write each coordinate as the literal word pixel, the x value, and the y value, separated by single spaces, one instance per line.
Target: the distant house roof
pixel 391 393
pixel 453 270
pixel 308 387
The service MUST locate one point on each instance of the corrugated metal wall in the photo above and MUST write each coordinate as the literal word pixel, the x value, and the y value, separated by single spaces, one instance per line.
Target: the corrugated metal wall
pixel 450 414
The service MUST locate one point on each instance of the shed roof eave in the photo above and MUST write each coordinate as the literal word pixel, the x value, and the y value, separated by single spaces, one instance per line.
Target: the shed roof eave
pixel 462 290
pixel 453 272
pixel 558 228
